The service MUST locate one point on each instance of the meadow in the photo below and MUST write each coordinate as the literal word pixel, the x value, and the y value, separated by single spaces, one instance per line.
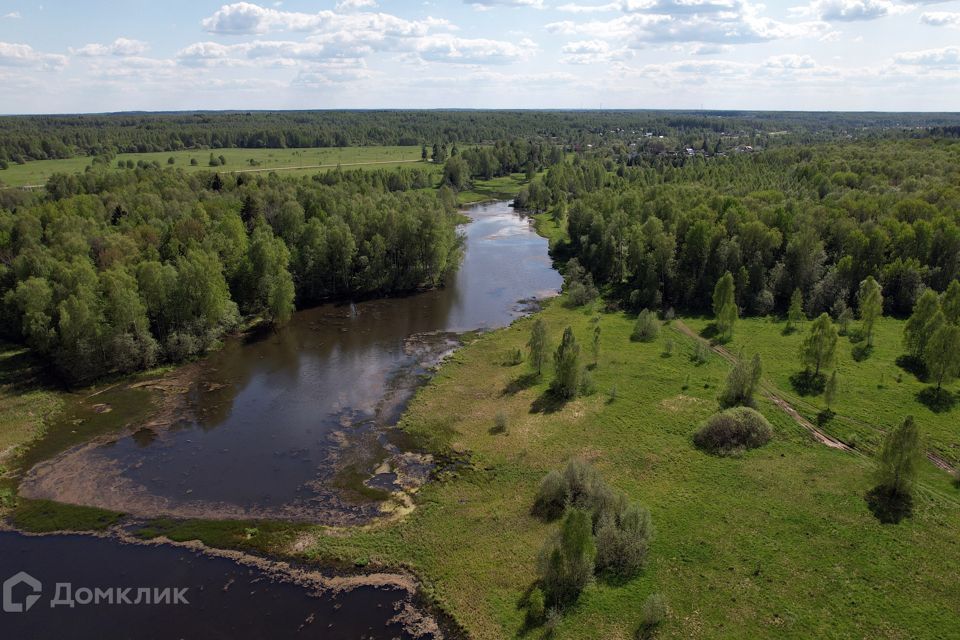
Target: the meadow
pixel 290 161
pixel 875 393
pixel 777 542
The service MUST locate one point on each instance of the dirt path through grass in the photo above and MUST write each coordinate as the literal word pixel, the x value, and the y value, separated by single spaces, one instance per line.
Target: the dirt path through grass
pixel 778 400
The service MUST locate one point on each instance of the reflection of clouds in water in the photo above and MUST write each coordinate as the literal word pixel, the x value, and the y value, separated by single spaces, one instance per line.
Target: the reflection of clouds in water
pixel 507 232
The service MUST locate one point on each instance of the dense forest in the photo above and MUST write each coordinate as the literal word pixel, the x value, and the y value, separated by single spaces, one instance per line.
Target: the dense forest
pixel 25 138
pixel 117 270
pixel 114 270
pixel 815 219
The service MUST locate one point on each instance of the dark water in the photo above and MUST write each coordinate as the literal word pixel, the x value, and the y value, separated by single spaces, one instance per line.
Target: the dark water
pixel 270 425
pixel 226 600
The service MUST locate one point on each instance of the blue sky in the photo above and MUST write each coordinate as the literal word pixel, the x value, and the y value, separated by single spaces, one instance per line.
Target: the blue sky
pixel 58 57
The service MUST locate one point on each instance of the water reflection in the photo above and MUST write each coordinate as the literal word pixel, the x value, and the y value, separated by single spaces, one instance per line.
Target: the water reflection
pixel 267 419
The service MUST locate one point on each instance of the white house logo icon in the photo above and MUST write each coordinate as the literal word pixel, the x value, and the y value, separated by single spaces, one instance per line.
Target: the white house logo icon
pixel 9 606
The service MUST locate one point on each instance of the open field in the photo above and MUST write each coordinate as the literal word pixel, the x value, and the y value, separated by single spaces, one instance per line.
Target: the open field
pixel 875 393
pixel 776 543
pixel 291 161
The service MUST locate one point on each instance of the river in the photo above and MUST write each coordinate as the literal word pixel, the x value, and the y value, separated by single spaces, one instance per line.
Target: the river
pixel 294 424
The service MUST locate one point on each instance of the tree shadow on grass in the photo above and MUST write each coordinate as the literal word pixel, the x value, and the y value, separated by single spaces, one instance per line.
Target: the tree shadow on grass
pixel 861 351
pixel 889 507
pixel 913 364
pixel 808 383
pixel 710 332
pixel 937 400
pixel 517 385
pixel 548 402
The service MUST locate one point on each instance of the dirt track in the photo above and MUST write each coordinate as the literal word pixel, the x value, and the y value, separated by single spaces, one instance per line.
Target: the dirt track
pixel 769 390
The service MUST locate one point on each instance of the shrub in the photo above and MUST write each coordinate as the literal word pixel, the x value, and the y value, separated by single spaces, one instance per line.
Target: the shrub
pixel 567 560
pixel 623 541
pixel 647 327
pixel 500 423
pixel 733 430
pixel 551 497
pixel 701 353
pixel 742 383
pixel 653 614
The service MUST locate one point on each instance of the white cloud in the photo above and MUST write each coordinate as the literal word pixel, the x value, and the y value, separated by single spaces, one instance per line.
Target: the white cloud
pixel 710 49
pixel 353 5
pixel 592 52
pixel 850 10
pixel 119 47
pixel 647 22
pixel 13 15
pixel 448 48
pixel 490 4
pixel 23 55
pixel 941 18
pixel 790 61
pixel 944 58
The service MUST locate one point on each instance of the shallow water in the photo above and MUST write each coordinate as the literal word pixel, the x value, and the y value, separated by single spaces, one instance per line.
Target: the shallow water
pixel 225 599
pixel 271 423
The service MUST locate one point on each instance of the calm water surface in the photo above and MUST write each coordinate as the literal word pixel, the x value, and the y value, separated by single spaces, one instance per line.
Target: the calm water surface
pixel 271 423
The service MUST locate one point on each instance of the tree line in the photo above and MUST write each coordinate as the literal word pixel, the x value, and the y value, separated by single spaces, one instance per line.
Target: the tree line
pixel 25 138
pixel 810 221
pixel 113 271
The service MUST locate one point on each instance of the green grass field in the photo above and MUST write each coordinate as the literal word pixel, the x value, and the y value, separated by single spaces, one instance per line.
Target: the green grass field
pixel 776 543
pixel 291 161
pixel 875 393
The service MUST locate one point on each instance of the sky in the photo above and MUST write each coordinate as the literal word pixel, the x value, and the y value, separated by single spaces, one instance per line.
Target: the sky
pixel 874 55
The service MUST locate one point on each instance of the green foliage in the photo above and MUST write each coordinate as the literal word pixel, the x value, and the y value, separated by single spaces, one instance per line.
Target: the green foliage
pixel 567 560
pixel 870 303
pixel 536 607
pixel 500 423
pixel 725 307
pixel 652 615
pixel 942 354
pixel 830 390
pixel 44 516
pixel 701 353
pixel 891 499
pixel 920 325
pixel 567 369
pixel 819 347
pixel 596 344
pixel 646 328
pixel 951 302
pixel 114 272
pixel 733 430
pixel 742 383
pixel 623 541
pixel 538 345
pixel 552 496
pixel 579 284
pixel 795 315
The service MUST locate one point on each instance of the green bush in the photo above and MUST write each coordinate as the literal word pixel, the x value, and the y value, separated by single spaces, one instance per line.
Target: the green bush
pixel 647 327
pixel 653 614
pixel 623 541
pixel 551 498
pixel 733 430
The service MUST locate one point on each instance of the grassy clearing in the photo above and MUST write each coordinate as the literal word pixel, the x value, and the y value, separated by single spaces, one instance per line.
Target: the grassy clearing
pixel 875 393
pixel 291 161
pixel 43 516
pixel 25 400
pixel 777 542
